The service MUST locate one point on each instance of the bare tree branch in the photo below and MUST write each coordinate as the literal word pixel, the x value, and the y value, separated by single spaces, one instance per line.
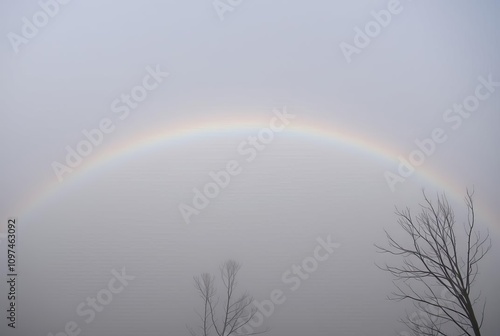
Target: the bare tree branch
pixel 435 259
pixel 234 313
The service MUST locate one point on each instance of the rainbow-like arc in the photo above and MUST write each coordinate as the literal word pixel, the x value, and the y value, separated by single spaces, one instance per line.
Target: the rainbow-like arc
pixel 171 135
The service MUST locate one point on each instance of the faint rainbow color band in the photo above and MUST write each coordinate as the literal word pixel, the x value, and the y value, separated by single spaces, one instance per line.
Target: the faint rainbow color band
pixel 189 130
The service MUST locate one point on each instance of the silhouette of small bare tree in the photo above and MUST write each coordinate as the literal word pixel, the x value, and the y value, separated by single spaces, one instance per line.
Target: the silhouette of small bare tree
pixel 223 314
pixel 434 259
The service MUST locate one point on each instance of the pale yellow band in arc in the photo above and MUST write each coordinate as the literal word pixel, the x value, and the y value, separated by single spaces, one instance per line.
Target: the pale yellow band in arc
pixel 168 135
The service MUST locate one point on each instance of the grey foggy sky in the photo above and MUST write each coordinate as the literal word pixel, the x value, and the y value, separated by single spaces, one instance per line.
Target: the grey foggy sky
pixel 264 55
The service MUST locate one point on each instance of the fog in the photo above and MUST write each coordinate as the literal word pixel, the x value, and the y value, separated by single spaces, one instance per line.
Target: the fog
pixel 150 141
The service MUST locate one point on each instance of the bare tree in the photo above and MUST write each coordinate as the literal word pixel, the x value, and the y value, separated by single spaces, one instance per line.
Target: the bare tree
pixel 436 262
pixel 224 314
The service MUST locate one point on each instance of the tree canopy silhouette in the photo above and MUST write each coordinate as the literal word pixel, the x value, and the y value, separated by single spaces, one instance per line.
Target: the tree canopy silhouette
pixel 226 314
pixel 438 261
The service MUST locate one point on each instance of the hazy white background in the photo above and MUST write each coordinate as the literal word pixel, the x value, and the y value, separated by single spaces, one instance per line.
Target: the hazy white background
pixel 264 55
